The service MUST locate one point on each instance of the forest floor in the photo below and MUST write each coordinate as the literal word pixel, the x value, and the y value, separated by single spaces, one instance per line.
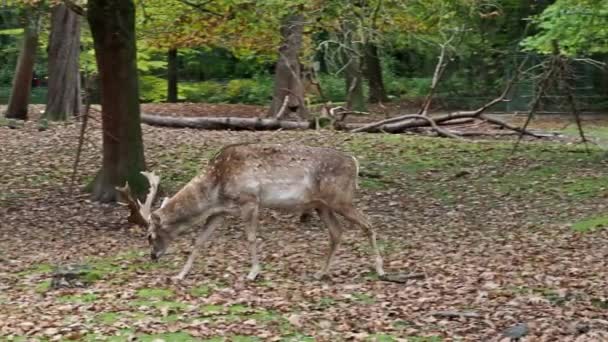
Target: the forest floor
pixel 505 238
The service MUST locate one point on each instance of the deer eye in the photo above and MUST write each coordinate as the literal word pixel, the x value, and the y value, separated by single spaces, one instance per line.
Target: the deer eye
pixel 150 239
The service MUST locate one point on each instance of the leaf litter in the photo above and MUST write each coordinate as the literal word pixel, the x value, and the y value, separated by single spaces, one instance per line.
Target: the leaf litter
pixel 495 242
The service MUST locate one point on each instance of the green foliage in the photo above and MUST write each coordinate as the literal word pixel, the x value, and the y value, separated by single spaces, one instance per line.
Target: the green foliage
pixel 152 89
pixel 333 87
pixel 578 25
pixel 407 88
pixel 248 91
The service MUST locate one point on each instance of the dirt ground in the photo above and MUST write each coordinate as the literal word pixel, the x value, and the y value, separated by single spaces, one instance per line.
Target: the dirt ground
pixel 506 239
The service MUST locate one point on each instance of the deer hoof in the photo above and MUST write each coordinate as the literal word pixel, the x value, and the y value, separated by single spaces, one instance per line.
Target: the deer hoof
pixel 253 274
pixel 177 279
pixel 321 276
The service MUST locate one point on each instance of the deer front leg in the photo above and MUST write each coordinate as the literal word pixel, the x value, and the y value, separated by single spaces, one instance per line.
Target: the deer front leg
pixel 251 214
pixel 203 235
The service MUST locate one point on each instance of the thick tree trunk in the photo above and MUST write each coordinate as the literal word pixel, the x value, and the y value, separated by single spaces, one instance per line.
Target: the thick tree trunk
pixel 63 97
pixel 287 72
pixel 373 73
pixel 172 76
pixel 22 81
pixel 112 24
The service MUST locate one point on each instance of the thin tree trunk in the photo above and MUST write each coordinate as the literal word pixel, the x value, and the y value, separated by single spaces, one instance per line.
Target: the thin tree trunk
pixel 172 76
pixel 373 73
pixel 353 76
pixel 112 24
pixel 287 71
pixel 63 99
pixel 22 81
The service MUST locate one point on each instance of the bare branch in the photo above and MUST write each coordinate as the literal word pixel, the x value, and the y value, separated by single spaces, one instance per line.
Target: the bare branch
pixel 200 7
pixel 74 7
pixel 439 69
pixel 281 111
pixel 456 314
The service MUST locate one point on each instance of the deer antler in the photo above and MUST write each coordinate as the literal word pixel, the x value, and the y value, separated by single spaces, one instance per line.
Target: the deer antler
pixel 146 208
pixel 140 213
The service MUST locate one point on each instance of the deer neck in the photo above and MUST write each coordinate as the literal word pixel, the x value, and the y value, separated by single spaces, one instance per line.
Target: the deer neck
pixel 191 202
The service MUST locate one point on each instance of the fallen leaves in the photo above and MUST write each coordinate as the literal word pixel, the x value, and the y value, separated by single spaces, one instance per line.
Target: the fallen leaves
pixel 479 243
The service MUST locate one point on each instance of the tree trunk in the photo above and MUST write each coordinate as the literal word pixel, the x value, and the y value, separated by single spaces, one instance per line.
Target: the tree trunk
pixel 22 81
pixel 287 80
pixel 112 25
pixel 172 76
pixel 373 73
pixel 63 97
pixel 353 77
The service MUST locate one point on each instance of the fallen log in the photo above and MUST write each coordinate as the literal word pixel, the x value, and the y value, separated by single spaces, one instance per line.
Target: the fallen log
pixel 224 123
pixel 259 124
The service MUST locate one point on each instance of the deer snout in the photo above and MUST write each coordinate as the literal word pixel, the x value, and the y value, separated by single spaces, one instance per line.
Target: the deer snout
pixel 155 255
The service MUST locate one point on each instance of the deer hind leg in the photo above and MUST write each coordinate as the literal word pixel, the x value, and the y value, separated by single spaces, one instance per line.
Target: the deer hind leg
pixel 251 215
pixel 356 217
pixel 335 237
pixel 203 235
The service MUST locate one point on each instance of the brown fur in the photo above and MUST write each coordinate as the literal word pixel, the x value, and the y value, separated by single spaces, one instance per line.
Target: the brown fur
pixel 243 178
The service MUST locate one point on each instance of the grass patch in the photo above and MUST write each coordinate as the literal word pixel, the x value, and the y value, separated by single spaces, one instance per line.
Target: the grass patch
pixel 107 318
pixel 154 293
pixel 173 337
pixel 242 338
pixel 157 298
pixel 160 304
pixel 82 298
pixel 600 303
pixel 591 224
pixel 43 286
pixel 210 310
pixel 297 337
pixel 446 169
pixel 363 298
pixel 240 309
pixel 325 302
pixel 201 291
pixel 382 338
pixel 38 269
pixel 424 339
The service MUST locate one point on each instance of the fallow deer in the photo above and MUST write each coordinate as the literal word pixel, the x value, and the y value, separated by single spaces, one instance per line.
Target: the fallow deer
pixel 243 178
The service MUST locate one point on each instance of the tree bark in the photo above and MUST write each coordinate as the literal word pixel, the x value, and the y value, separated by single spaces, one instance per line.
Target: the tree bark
pixel 172 76
pixel 22 81
pixel 225 123
pixel 287 71
pixel 63 97
pixel 112 25
pixel 353 77
pixel 373 73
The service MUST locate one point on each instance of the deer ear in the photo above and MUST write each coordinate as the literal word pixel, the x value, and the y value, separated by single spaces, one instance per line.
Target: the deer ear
pixel 165 200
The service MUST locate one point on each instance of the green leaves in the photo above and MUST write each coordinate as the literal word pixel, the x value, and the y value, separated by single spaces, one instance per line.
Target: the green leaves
pixel 580 27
